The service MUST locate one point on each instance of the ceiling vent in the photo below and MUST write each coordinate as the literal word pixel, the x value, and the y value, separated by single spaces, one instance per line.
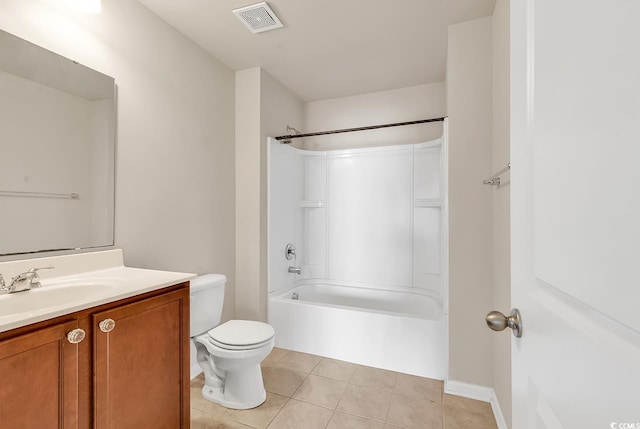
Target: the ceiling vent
pixel 258 17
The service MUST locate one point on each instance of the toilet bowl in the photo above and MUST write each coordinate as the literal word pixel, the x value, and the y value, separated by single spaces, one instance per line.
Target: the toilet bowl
pixel 229 354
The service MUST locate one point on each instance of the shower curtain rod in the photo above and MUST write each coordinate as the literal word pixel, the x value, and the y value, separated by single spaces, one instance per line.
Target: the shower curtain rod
pixel 287 139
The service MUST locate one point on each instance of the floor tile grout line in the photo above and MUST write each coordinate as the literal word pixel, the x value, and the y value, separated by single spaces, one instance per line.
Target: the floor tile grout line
pixel 320 405
pixel 317 363
pixel 314 404
pixel 305 354
pixel 298 388
pixel 359 415
pixel 383 389
pixel 386 415
pixel 276 414
pixel 330 418
pixel 346 386
pixel 332 378
pixel 395 380
pixel 276 362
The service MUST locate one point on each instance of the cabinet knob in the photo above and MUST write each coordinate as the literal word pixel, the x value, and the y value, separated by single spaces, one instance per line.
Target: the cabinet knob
pixel 107 325
pixel 76 336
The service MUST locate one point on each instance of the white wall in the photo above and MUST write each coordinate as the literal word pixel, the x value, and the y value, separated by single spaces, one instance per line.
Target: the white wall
pixel 501 202
pixel 264 108
pixel 469 98
pixel 397 105
pixel 175 155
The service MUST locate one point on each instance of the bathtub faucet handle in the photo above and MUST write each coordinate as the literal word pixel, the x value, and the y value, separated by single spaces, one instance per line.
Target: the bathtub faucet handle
pixel 295 270
pixel 290 252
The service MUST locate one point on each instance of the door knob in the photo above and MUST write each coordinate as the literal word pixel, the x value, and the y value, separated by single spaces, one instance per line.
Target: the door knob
pixel 498 322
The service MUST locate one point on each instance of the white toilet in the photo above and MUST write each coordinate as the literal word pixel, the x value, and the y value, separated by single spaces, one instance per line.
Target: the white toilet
pixel 230 354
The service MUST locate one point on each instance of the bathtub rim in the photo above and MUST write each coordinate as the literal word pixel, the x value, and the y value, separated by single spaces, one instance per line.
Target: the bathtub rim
pixel 355 285
pixel 281 297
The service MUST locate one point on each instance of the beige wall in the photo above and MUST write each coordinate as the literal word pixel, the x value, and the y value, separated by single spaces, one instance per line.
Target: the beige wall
pixel 280 107
pixel 469 98
pixel 248 304
pixel 175 157
pixel 501 201
pixel 397 105
pixel 264 108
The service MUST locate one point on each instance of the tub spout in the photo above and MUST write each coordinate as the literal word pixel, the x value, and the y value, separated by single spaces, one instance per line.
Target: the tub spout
pixel 295 270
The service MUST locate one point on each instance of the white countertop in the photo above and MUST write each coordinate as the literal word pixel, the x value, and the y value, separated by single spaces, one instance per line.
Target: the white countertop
pixel 76 283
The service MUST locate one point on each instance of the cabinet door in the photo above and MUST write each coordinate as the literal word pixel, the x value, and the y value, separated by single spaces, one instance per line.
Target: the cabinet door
pixel 141 364
pixel 39 380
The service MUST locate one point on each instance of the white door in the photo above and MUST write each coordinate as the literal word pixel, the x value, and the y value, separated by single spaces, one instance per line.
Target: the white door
pixel 575 156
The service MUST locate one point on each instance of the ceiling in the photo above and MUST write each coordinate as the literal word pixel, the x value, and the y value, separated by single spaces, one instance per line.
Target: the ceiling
pixel 329 48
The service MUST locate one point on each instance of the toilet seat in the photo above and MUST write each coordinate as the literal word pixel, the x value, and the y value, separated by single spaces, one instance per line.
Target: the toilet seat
pixel 241 335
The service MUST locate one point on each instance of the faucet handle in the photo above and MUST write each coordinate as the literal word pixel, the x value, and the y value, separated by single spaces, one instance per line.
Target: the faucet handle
pixel 25 281
pixel 290 252
pixel 35 277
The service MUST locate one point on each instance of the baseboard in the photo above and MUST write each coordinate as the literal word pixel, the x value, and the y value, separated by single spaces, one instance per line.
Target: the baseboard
pixel 468 390
pixel 497 412
pixel 479 393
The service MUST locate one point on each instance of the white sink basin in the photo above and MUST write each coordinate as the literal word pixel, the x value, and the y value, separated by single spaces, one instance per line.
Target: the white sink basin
pixel 58 293
pixel 78 282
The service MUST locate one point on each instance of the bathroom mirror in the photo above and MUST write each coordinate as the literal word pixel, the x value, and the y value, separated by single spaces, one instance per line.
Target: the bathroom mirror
pixel 57 157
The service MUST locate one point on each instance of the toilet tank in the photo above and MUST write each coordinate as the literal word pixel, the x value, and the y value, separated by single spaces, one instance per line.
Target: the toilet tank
pixel 207 297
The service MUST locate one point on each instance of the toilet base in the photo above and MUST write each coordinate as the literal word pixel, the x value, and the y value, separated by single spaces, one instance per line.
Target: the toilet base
pixel 233 378
pixel 215 394
pixel 241 390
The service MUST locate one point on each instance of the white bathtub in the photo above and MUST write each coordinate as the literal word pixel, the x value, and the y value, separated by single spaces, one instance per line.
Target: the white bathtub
pixel 399 331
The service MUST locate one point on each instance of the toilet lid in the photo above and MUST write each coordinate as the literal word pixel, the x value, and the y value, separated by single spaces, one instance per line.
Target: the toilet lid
pixel 239 334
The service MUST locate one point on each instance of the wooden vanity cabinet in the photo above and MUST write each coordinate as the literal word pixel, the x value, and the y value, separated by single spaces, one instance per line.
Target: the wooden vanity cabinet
pixel 135 375
pixel 39 379
pixel 141 376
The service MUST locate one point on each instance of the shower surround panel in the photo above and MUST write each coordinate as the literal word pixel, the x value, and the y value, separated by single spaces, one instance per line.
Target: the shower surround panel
pixel 364 216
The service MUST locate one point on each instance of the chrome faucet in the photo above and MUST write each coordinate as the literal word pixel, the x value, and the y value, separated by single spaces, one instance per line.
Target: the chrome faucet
pixel 295 270
pixel 23 281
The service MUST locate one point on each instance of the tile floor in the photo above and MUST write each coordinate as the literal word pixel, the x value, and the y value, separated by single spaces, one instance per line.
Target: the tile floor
pixel 308 392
